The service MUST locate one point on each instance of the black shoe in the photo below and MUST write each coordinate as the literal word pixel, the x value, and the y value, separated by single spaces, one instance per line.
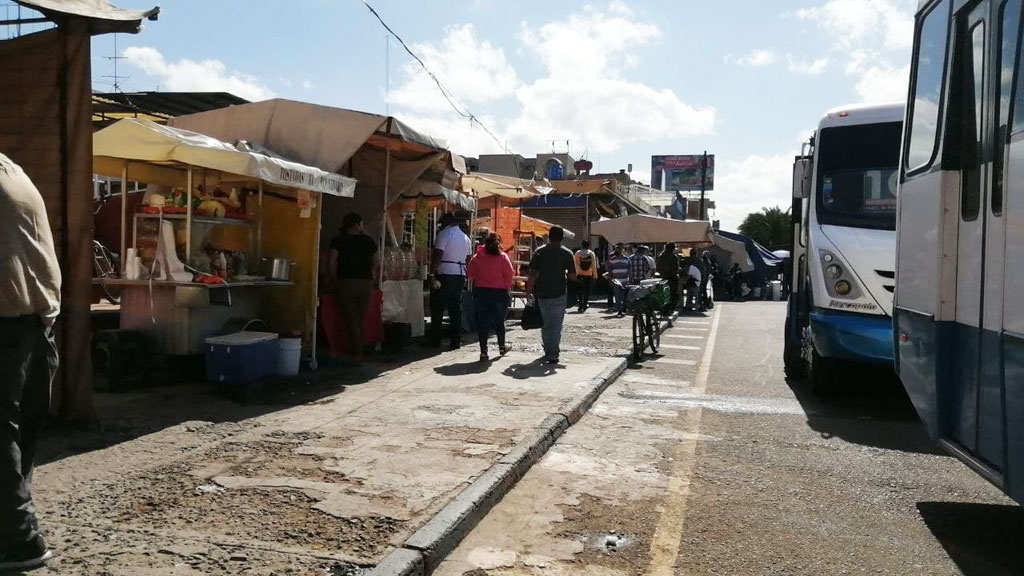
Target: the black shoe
pixel 455 345
pixel 29 555
pixel 551 361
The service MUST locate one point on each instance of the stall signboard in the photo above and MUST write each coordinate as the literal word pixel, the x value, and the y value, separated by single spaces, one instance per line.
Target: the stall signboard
pixel 681 173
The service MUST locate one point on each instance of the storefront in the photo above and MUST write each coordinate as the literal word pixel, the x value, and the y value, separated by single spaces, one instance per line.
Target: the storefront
pixel 226 235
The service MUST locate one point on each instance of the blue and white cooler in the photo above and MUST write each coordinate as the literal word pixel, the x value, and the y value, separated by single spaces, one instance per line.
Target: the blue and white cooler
pixel 241 357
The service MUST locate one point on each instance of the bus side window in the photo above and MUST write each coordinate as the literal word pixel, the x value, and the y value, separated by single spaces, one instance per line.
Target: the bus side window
pixel 1009 43
pixel 1018 97
pixel 929 69
pixel 965 121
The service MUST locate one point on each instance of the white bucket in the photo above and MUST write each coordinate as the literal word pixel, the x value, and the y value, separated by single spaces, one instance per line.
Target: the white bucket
pixel 288 354
pixel 776 290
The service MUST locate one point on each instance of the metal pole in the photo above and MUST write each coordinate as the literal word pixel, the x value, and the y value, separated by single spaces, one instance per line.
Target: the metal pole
pixel 259 225
pixel 188 218
pixel 124 215
pixel 703 184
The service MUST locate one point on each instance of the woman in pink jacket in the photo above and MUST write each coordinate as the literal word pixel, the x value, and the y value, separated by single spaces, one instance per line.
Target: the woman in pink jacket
pixel 491 274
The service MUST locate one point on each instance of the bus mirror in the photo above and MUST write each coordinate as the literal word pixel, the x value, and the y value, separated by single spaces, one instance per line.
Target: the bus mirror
pixel 802 169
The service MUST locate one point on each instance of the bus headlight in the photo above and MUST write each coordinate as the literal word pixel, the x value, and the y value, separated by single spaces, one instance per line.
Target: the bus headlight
pixel 843 288
pixel 827 257
pixel 833 271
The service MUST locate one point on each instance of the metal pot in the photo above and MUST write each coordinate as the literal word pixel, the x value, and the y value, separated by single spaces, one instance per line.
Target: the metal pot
pixel 277 268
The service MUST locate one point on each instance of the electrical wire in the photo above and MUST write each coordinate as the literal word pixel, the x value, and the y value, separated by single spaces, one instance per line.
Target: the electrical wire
pixel 459 108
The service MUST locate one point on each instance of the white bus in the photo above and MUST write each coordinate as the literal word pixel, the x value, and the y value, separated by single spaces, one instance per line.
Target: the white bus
pixel 844 215
pixel 959 314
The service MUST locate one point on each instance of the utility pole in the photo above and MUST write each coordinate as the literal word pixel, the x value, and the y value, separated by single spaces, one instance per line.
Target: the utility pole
pixel 703 184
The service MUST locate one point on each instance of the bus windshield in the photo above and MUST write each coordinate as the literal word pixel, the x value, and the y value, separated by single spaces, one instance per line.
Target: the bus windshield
pixel 857 175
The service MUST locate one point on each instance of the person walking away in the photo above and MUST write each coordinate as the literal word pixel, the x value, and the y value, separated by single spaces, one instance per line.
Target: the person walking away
pixel 491 275
pixel 452 250
pixel 693 282
pixel 617 274
pixel 354 261
pixel 601 285
pixel 29 305
pixel 641 266
pixel 702 285
pixel 586 273
pixel 668 269
pixel 736 282
pixel 550 269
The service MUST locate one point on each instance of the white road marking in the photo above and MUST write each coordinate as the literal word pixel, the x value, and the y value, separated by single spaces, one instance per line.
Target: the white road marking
pixel 689 329
pixel 675 361
pixel 683 336
pixel 638 379
pixel 679 347
pixel 692 322
pixel 727 404
pixel 669 531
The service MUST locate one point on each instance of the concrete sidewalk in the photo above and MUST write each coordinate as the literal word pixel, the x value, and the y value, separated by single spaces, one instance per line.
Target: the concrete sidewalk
pixel 325 487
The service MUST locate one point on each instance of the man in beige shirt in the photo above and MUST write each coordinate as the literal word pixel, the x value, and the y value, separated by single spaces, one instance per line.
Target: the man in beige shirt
pixel 29 304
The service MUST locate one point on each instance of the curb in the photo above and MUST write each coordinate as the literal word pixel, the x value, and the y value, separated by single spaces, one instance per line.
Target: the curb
pixel 427 547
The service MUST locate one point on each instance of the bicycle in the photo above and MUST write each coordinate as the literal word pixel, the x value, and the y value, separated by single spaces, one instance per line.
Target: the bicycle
pixel 644 303
pixel 104 264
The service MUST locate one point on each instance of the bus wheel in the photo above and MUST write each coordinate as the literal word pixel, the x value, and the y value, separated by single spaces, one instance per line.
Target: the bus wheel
pixel 793 362
pixel 822 374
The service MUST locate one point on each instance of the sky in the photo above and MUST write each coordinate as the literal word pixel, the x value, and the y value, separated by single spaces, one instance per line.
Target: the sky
pixel 620 80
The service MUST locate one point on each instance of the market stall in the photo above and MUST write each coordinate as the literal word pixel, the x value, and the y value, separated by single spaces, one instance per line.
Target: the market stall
pixel 385 155
pixel 225 234
pixel 646 229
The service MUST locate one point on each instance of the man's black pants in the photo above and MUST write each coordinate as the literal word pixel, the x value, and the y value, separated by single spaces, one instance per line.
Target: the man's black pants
pixel 583 293
pixel 28 362
pixel 449 296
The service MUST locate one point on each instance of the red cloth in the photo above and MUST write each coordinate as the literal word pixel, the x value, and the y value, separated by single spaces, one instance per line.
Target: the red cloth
pixel 490 271
pixel 332 321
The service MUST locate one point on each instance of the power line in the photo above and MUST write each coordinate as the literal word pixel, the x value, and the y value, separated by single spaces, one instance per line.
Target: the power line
pixel 453 101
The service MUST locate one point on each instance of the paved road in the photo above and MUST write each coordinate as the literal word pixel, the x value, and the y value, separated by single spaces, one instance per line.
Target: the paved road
pixel 705 460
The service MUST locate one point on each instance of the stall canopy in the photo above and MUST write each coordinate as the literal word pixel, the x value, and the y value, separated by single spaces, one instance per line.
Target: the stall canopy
pixel 728 252
pixel 379 151
pixel 147 141
pixel 506 187
pixel 421 188
pixel 652 229
pixel 101 16
pixel 763 260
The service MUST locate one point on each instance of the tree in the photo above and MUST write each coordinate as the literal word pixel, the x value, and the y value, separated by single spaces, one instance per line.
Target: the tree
pixel 770 228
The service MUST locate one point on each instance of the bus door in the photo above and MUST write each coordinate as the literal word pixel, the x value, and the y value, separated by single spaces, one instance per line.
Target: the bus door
pixel 984 33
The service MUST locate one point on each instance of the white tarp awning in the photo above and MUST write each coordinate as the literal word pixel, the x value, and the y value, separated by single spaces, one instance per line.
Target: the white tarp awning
pixel 652 229
pixel 487 185
pixel 145 141
pixel 728 252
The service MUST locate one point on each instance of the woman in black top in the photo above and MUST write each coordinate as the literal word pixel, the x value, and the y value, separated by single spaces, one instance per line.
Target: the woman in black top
pixel 353 262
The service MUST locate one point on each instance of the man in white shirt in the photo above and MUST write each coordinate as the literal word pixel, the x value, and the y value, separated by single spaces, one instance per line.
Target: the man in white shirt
pixel 29 304
pixel 694 277
pixel 451 255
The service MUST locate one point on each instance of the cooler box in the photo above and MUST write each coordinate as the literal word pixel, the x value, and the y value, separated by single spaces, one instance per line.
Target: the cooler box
pixel 241 357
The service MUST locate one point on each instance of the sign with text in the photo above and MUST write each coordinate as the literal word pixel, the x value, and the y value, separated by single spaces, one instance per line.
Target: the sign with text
pixel 681 173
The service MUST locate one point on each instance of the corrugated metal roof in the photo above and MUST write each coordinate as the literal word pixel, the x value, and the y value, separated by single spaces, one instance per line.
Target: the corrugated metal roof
pixel 109 107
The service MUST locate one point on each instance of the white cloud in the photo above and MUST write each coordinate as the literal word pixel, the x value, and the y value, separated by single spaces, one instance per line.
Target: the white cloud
pixel 883 83
pixel 756 58
pixel 474 71
pixel 641 176
pixel 746 186
pixel 582 95
pixel 307 85
pixel 807 67
pixel 853 21
pixel 192 76
pixel 870 36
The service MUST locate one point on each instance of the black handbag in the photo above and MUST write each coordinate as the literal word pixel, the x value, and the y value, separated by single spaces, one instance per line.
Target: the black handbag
pixel 532 318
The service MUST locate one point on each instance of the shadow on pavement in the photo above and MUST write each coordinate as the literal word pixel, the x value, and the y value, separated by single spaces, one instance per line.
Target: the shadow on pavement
pixel 869 408
pixel 982 539
pixel 125 416
pixel 461 369
pixel 535 369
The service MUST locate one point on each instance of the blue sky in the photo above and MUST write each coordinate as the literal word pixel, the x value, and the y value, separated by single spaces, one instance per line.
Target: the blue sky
pixel 746 80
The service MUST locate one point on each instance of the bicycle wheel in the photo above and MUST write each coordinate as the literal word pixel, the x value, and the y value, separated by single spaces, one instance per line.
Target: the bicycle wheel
pixel 653 331
pixel 639 332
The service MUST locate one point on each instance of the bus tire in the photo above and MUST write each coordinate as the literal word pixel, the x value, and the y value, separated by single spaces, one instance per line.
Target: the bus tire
pixel 822 374
pixel 792 361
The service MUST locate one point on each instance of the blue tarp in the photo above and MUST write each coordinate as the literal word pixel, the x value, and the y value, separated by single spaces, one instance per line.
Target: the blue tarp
pixel 764 261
